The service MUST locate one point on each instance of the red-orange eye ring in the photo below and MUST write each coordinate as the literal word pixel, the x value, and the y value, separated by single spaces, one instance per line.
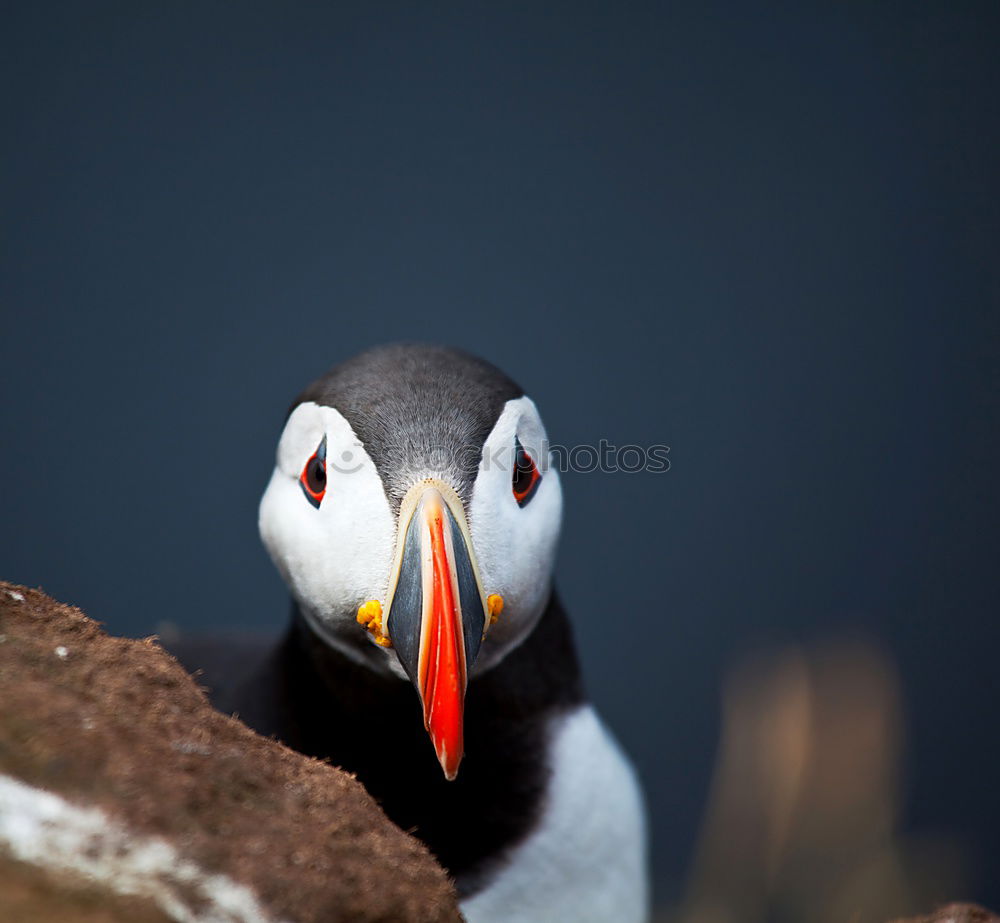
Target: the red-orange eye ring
pixel 313 477
pixel 526 476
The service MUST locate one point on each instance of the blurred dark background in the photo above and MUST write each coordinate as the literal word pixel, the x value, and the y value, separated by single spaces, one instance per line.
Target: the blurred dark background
pixel 768 240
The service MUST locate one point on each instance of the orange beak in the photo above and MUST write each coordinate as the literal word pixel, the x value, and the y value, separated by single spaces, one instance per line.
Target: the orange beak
pixel 442 651
pixel 437 614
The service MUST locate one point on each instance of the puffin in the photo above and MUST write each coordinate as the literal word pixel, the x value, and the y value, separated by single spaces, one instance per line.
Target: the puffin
pixel 414 512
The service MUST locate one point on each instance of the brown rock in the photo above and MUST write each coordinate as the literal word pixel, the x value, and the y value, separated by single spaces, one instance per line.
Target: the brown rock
pixel 29 894
pixel 956 913
pixel 117 725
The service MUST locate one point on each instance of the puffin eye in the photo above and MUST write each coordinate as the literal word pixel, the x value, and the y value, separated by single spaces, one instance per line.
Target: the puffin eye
pixel 313 477
pixel 526 477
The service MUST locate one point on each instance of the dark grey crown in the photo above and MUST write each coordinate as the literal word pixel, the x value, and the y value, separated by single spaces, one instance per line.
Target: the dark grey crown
pixel 417 408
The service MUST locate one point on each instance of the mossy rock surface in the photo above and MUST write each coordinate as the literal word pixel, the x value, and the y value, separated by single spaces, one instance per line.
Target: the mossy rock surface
pixel 144 769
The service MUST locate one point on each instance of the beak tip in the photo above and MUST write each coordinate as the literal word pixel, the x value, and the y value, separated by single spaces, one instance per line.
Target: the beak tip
pixel 449 766
pixel 449 748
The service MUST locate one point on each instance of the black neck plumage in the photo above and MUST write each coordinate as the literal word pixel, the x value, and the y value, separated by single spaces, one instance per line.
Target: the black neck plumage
pixel 323 704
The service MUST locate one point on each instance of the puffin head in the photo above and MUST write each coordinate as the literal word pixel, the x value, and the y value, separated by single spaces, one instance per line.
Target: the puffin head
pixel 414 516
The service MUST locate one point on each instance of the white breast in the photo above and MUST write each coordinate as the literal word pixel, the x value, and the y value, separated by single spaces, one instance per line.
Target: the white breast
pixel 586 861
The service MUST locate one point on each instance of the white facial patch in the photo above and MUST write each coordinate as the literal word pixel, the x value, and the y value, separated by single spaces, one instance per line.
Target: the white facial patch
pixel 335 557
pixel 515 545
